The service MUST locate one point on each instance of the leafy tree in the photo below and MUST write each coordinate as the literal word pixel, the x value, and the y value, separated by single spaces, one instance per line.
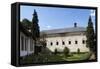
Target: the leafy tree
pixel 43 39
pixel 78 50
pixel 55 52
pixel 35 29
pixel 26 23
pixel 90 35
pixel 66 51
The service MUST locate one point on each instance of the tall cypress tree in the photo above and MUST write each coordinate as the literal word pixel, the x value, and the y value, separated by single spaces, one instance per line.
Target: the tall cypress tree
pixel 90 35
pixel 35 29
pixel 35 26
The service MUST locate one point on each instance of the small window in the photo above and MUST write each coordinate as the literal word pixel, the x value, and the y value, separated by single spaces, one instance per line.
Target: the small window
pixel 22 43
pixel 76 42
pixel 83 41
pixel 26 44
pixel 69 42
pixel 57 43
pixel 63 43
pixel 51 43
pixel 31 45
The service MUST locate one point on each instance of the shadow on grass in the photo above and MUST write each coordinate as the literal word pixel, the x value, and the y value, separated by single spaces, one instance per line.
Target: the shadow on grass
pixel 43 58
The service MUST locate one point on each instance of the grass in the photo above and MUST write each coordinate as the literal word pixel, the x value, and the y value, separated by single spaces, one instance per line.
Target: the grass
pixel 42 58
pixel 54 58
pixel 78 57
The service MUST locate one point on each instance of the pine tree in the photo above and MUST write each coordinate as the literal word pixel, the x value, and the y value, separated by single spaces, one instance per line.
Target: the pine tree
pixel 90 35
pixel 35 30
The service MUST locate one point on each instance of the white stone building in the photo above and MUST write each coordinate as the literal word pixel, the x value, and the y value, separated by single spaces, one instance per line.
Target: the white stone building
pixel 74 38
pixel 26 42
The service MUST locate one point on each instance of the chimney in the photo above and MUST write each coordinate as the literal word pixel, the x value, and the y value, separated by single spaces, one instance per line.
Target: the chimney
pixel 75 24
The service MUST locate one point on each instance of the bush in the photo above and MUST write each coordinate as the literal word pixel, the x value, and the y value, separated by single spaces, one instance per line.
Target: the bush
pixel 66 51
pixel 55 52
pixel 78 50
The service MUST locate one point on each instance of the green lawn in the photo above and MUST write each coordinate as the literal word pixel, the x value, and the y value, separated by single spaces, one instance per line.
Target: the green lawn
pixel 71 57
pixel 42 58
pixel 76 57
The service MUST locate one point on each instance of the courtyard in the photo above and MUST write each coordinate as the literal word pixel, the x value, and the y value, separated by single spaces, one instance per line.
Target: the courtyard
pixel 45 58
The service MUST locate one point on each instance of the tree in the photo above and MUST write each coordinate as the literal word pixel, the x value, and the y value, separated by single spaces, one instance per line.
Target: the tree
pixel 95 41
pixel 26 23
pixel 90 35
pixel 78 50
pixel 43 39
pixel 55 52
pixel 66 51
pixel 35 29
pixel 35 26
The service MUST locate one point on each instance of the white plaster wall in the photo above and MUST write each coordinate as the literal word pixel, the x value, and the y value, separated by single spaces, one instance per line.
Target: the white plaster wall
pixel 73 47
pixel 27 51
pixel 22 53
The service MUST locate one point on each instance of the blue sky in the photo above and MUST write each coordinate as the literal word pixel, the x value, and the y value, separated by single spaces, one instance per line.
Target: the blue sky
pixel 54 18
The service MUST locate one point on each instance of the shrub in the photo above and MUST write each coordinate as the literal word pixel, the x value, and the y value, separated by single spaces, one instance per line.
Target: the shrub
pixel 66 51
pixel 55 52
pixel 78 50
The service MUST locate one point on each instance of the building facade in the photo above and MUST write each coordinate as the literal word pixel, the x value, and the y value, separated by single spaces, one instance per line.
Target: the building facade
pixel 74 38
pixel 26 42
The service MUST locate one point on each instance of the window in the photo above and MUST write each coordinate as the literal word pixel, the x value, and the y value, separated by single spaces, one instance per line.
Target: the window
pixel 57 43
pixel 25 44
pixel 22 43
pixel 51 43
pixel 69 42
pixel 63 43
pixel 83 41
pixel 31 45
pixel 76 42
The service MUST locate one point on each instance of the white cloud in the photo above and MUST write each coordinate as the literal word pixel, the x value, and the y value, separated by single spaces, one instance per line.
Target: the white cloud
pixel 48 27
pixel 92 12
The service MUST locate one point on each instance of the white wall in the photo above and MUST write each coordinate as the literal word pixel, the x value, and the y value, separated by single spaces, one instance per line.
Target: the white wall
pixel 73 47
pixel 5 36
pixel 29 44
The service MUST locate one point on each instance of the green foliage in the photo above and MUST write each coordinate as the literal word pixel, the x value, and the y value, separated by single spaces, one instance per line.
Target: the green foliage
pixel 35 26
pixel 55 52
pixel 78 50
pixel 26 23
pixel 66 51
pixel 35 30
pixel 78 57
pixel 42 58
pixel 43 39
pixel 90 35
